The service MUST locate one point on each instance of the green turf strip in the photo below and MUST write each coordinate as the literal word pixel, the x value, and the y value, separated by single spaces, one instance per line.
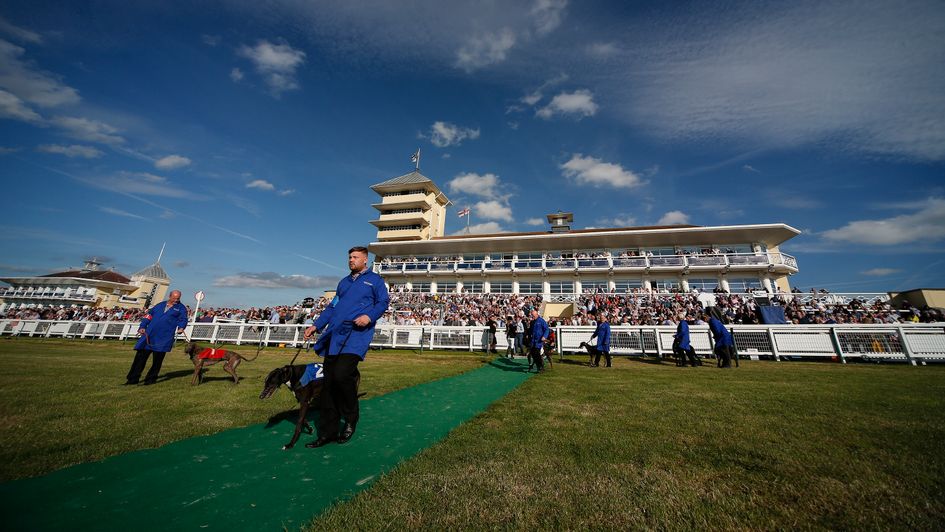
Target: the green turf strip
pixel 242 478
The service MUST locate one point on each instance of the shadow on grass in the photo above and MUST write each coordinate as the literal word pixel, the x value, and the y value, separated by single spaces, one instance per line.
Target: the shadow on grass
pixel 508 365
pixel 292 416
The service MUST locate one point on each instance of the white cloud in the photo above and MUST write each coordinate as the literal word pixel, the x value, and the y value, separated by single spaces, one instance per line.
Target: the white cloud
pixel 579 103
pixel 484 185
pixel 673 218
pixel 29 83
pixel 138 183
pixel 620 221
pixel 119 212
pixel 485 49
pixel 75 150
pixel 602 50
pixel 236 74
pixel 444 134
pixel 19 33
pixel 261 184
pixel 14 108
pixel 547 15
pixel 796 74
pixel 532 98
pixel 274 280
pixel 880 272
pixel 750 168
pixel 593 171
pixel 287 192
pixel 276 63
pixel 88 130
pixel 493 210
pixel 210 40
pixel 481 229
pixel 171 162
pixel 150 177
pixel 927 224
pixel 535 221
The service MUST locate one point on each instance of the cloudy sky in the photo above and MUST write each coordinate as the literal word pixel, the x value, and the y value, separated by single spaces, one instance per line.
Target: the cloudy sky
pixel 245 134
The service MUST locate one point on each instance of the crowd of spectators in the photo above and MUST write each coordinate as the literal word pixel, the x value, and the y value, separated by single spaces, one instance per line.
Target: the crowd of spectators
pixel 635 308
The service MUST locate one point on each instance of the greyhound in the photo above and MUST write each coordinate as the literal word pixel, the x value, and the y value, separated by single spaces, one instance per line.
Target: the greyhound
pixel 209 357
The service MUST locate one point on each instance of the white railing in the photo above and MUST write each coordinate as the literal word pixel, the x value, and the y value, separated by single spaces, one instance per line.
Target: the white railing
pixel 913 343
pixel 732 261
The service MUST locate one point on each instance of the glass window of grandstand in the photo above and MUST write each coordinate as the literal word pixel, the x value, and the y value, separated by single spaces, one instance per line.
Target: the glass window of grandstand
pixel 530 287
pixel 595 286
pixel 528 260
pixel 559 259
pixel 500 287
pixel 561 287
pixel 703 284
pixel 737 248
pixel 499 261
pixel 744 285
pixel 446 288
pixel 665 285
pixel 661 252
pixel 397 288
pixel 421 288
pixel 624 286
pixel 471 262
pixel 592 258
pixel 473 287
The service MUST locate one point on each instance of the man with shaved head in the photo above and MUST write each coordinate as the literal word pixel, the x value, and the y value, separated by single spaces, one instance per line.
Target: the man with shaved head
pixel 157 331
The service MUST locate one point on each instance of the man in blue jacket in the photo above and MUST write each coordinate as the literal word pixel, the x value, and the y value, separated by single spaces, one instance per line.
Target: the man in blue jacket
pixel 724 343
pixel 539 334
pixel 602 333
pixel 682 347
pixel 157 332
pixel 347 327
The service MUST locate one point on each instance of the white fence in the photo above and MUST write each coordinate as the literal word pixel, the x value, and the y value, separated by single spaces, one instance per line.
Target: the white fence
pixel 907 342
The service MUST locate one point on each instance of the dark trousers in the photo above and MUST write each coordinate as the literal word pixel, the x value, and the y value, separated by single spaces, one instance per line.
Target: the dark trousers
pixel 339 393
pixel 141 359
pixel 682 354
pixel 535 358
pixel 724 354
pixel 606 357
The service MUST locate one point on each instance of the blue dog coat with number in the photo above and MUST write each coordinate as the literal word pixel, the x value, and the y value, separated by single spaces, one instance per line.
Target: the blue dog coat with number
pixel 313 372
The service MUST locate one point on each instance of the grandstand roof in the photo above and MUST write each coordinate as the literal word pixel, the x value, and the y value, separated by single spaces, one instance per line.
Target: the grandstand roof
pixel 96 276
pixel 155 271
pixel 610 238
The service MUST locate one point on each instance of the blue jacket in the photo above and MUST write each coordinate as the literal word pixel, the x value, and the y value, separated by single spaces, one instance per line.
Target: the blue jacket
pixel 682 334
pixel 602 333
pixel 365 295
pixel 539 332
pixel 161 326
pixel 720 333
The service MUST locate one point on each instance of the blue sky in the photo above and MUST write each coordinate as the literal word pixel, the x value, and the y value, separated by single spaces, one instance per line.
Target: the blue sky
pixel 245 134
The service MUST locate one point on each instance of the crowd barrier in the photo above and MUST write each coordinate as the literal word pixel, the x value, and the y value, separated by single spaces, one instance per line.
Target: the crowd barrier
pixel 913 343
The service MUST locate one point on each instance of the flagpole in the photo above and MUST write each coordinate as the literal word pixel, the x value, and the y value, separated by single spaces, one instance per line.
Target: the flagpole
pixel 418 159
pixel 468 216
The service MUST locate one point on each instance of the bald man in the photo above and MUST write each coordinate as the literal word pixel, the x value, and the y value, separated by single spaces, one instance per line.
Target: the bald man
pixel 157 332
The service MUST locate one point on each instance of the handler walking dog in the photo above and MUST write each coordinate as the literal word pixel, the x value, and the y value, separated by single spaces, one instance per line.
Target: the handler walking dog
pixel 157 331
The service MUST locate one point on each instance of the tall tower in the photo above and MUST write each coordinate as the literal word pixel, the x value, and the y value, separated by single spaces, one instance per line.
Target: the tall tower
pixel 152 283
pixel 411 208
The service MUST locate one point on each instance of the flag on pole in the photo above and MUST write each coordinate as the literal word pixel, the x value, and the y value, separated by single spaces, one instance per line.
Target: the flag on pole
pixel 463 212
pixel 415 158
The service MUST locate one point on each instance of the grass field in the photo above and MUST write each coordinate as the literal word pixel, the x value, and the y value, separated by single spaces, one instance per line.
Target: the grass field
pixel 62 401
pixel 640 445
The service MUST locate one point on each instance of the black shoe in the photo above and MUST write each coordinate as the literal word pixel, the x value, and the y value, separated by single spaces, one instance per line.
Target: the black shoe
pixel 321 441
pixel 346 434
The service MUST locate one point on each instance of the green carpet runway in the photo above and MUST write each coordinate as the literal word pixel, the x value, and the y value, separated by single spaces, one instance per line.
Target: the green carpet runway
pixel 241 478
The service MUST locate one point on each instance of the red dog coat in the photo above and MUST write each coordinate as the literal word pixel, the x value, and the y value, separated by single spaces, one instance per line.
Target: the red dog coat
pixel 212 354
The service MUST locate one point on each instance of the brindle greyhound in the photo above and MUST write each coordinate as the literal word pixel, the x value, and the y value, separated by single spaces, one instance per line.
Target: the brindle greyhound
pixel 231 360
pixel 307 395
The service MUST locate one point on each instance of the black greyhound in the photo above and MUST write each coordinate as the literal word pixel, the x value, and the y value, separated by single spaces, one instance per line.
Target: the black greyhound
pixel 307 395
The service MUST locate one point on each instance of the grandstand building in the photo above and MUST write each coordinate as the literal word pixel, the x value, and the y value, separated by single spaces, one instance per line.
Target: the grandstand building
pixel 88 286
pixel 562 262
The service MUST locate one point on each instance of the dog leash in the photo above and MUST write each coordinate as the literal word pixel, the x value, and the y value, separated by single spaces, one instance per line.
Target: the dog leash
pixel 299 350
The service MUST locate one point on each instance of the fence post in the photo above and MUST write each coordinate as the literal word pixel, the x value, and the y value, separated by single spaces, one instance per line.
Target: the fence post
pixel 905 347
pixel 642 343
pixel 470 329
pixel 213 335
pixel 104 328
pixel 774 345
pixel 268 331
pixel 836 345
pixel 659 348
pixel 393 339
pixel 239 337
